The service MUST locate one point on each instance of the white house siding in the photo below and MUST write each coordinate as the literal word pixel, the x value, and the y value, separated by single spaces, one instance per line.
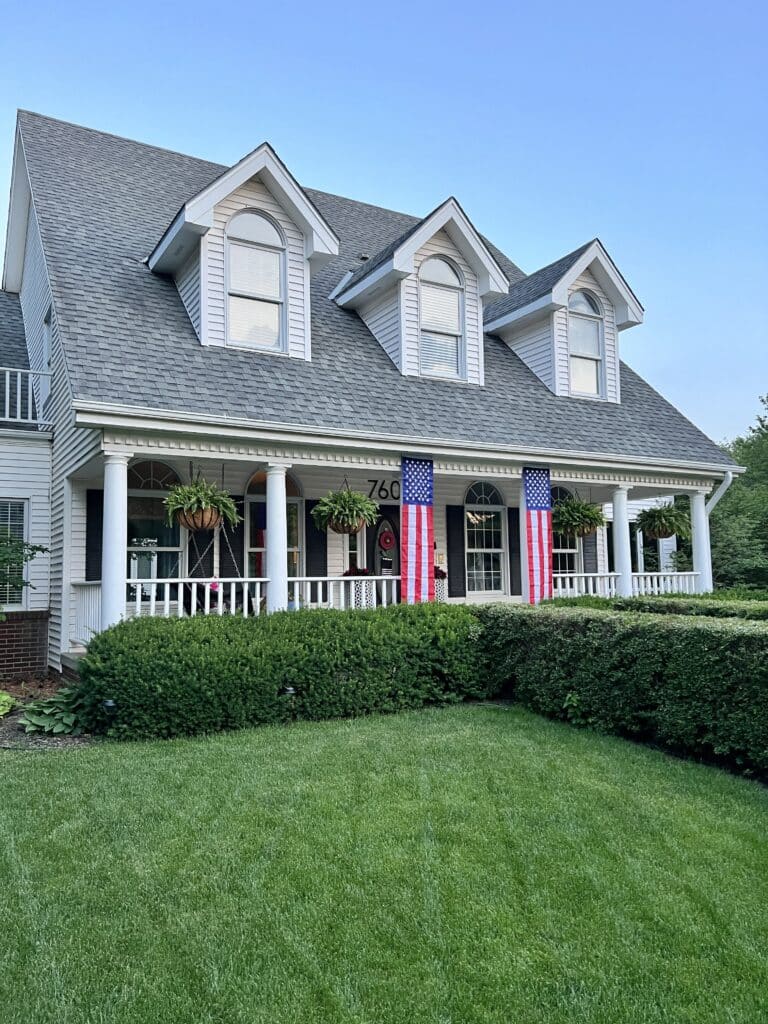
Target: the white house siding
pixel 25 475
pixel 534 344
pixel 382 318
pixel 254 195
pixel 610 341
pixel 72 445
pixel 441 245
pixel 188 284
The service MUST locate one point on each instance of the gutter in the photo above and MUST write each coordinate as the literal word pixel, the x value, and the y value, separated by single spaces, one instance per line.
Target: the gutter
pixel 725 483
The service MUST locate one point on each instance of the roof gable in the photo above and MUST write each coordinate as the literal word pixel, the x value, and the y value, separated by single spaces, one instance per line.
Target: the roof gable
pixel 196 215
pixel 396 260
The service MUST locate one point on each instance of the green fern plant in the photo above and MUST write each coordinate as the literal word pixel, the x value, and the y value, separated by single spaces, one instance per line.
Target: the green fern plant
pixel 345 511
pixel 573 517
pixel 200 505
pixel 664 521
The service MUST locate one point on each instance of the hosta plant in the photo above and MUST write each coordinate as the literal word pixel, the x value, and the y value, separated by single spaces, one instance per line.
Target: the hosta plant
pixel 7 703
pixel 345 511
pixel 56 715
pixel 573 517
pixel 664 521
pixel 200 505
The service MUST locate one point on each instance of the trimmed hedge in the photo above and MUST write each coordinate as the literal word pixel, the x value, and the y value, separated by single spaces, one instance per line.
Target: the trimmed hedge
pixel 673 605
pixel 175 677
pixel 697 686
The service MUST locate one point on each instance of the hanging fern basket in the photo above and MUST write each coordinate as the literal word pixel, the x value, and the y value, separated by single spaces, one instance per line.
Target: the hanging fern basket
pixel 202 519
pixel 576 518
pixel 664 521
pixel 345 511
pixel 340 527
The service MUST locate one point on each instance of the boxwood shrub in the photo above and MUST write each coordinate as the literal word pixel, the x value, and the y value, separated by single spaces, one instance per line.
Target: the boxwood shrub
pixel 710 606
pixel 173 677
pixel 696 685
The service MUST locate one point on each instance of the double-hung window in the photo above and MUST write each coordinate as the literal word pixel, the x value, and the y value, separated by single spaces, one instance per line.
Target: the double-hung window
pixel 484 524
pixel 441 315
pixel 585 343
pixel 12 575
pixel 255 283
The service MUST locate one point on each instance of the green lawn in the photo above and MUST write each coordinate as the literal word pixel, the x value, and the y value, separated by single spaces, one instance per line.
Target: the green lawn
pixel 452 866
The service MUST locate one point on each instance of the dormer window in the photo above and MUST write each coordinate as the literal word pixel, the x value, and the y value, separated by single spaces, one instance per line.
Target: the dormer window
pixel 441 305
pixel 255 283
pixel 585 344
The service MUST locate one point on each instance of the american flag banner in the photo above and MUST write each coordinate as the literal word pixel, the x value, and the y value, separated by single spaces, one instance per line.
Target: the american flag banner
pixel 417 532
pixel 538 530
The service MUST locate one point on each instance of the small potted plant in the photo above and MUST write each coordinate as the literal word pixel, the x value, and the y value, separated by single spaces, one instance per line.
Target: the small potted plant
pixel 664 521
pixel 345 511
pixel 363 590
pixel 200 505
pixel 441 583
pixel 573 517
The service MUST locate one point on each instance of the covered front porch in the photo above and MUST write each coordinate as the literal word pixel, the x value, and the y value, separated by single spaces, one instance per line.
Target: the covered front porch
pixel 125 560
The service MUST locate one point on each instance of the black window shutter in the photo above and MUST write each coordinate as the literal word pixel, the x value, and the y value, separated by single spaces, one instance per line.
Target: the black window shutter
pixel 513 539
pixel 94 516
pixel 589 552
pixel 316 544
pixel 233 563
pixel 454 524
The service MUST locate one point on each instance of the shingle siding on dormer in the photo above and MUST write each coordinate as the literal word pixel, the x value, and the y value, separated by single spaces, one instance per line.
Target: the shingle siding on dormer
pixel 441 245
pixel 255 196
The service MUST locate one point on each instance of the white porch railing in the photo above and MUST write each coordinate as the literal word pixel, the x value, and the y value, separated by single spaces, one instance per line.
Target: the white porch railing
pixel 343 591
pixel 583 584
pixel 87 611
pixel 17 394
pixel 647 583
pixel 194 596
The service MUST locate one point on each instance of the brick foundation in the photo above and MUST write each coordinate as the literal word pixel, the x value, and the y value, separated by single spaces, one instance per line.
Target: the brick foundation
pixel 23 645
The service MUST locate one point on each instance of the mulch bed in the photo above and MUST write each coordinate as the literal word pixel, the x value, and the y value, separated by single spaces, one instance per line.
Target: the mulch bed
pixel 13 737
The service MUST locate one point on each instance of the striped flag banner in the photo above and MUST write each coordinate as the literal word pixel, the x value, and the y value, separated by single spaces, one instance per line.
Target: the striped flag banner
pixel 417 532
pixel 538 527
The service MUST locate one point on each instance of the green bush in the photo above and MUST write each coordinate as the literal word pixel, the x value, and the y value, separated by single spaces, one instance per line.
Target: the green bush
pixel 674 604
pixel 697 686
pixel 7 703
pixel 172 677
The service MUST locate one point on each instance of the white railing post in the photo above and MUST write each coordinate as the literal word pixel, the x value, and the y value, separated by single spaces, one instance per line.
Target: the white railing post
pixel 114 543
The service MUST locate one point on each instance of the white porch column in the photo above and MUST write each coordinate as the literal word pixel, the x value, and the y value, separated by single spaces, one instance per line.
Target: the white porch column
pixel 622 545
pixel 702 556
pixel 277 538
pixel 114 538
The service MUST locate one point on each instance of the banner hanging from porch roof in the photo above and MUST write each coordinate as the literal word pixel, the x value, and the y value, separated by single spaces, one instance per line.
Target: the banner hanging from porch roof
pixel 537 496
pixel 417 532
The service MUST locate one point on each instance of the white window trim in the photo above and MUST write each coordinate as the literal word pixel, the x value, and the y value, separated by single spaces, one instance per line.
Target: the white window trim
pixel 182 549
pixel 362 549
pixel 23 604
pixel 504 550
pixel 461 289
pixel 248 550
pixel 599 319
pixel 282 302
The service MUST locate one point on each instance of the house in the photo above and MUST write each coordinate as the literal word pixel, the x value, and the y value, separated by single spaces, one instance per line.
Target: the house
pixel 169 316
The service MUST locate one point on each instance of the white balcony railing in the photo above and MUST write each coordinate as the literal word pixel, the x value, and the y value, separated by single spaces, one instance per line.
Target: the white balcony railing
pixel 647 583
pixel 343 591
pixel 193 596
pixel 583 584
pixel 18 392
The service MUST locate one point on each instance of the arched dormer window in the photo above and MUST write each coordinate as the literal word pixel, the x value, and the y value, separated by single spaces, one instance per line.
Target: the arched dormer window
pixel 255 283
pixel 485 517
pixel 441 319
pixel 585 344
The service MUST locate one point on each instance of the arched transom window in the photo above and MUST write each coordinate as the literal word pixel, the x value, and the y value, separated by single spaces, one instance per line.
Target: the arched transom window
pixel 155 546
pixel 585 343
pixel 255 282
pixel 441 319
pixel 485 539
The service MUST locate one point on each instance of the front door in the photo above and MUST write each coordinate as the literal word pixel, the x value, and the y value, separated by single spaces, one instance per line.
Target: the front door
pixel 384 542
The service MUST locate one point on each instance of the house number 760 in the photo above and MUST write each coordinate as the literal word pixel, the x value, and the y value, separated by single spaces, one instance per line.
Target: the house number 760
pixel 382 489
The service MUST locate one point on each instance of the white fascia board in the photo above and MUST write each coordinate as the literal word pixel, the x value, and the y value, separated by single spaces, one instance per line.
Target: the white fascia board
pixel 520 316
pixel 492 280
pixel 380 280
pixel 101 415
pixel 196 216
pixel 18 214
pixel 628 310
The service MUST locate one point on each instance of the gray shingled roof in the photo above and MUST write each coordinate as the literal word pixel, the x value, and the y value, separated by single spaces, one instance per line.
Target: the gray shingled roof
pixel 13 347
pixel 534 286
pixel 103 202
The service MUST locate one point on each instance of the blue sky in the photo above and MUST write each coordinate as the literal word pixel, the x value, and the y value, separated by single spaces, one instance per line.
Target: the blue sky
pixel 642 124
